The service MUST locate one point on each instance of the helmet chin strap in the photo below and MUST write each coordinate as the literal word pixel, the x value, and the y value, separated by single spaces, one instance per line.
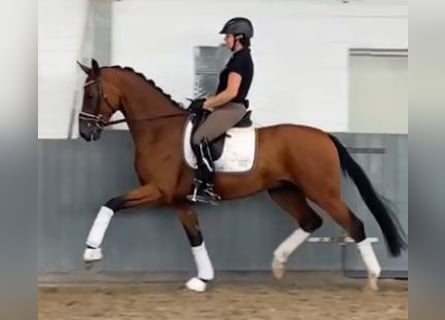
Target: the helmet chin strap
pixel 234 44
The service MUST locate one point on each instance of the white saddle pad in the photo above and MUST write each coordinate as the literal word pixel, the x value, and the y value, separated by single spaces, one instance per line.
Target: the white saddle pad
pixel 238 154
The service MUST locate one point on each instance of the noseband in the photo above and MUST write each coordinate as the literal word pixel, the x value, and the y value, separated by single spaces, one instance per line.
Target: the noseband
pixel 96 117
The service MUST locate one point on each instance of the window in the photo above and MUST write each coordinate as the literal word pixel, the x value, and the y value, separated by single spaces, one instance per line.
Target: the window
pixel 378 91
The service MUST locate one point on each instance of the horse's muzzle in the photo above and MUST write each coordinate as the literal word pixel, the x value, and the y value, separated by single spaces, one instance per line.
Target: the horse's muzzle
pixel 89 130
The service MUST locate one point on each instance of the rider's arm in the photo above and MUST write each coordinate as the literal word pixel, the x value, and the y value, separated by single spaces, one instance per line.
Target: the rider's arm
pixel 233 84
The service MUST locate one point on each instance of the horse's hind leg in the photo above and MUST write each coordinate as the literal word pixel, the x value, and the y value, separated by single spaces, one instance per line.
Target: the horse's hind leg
pixel 190 223
pixel 294 202
pixel 331 202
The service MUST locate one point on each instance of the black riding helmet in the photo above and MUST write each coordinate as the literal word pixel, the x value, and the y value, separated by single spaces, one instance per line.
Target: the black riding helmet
pixel 238 26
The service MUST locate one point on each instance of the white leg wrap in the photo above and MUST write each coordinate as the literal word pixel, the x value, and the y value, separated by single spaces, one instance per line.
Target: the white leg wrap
pixel 99 227
pixel 203 263
pixel 369 257
pixel 289 245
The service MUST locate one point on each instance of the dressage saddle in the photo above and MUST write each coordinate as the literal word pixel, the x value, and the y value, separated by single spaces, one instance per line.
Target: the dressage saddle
pixel 217 145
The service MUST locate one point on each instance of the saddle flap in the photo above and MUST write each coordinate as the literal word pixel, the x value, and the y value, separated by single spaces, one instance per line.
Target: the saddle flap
pixel 233 152
pixel 217 145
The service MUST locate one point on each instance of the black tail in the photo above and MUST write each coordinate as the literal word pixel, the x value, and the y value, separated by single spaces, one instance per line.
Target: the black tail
pixel 395 237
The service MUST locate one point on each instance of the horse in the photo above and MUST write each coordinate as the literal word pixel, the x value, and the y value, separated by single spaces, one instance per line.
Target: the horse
pixel 291 162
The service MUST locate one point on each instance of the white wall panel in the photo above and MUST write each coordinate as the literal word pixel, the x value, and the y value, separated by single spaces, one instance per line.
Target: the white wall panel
pixel 300 50
pixel 61 26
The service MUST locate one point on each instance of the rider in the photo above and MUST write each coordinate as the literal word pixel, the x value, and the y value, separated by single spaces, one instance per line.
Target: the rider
pixel 227 107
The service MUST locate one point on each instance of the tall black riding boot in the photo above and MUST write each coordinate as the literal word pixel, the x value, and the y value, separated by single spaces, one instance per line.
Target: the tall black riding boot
pixel 204 175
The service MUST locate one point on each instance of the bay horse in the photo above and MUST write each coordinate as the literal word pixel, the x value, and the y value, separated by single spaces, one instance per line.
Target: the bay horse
pixel 293 163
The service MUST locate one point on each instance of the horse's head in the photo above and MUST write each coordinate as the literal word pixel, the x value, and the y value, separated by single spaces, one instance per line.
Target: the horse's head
pixel 100 101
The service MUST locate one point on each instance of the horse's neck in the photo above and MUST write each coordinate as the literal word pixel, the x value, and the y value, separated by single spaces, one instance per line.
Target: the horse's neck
pixel 144 107
pixel 140 100
pixel 158 137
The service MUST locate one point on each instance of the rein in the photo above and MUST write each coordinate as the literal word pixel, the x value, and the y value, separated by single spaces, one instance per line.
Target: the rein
pixel 146 119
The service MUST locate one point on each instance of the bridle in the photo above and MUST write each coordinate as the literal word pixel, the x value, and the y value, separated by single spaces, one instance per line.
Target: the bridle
pixel 97 118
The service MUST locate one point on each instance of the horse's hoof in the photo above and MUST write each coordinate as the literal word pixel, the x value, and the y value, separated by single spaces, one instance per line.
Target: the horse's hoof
pixel 196 284
pixel 89 265
pixel 92 255
pixel 369 289
pixel 278 269
pixel 372 283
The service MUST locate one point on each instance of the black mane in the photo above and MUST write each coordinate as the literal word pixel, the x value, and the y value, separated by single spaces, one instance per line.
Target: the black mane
pixel 151 82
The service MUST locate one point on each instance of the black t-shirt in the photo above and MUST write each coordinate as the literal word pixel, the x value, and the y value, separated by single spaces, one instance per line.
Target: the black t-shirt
pixel 241 63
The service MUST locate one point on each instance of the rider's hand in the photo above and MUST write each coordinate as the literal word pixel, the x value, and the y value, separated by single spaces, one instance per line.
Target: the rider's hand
pixel 196 105
pixel 206 107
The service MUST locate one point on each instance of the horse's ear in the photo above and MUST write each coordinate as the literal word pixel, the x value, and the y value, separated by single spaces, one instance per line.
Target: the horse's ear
pixel 95 67
pixel 84 68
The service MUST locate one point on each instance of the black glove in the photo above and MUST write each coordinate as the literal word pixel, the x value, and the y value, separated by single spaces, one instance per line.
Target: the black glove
pixel 196 105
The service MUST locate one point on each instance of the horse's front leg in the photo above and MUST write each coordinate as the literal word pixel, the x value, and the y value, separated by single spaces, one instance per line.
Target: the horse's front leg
pixel 190 223
pixel 146 195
